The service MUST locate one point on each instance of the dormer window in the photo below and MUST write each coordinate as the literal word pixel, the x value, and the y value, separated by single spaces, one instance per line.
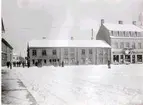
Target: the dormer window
pixel 124 33
pixel 112 33
pixel 136 34
pixel 118 33
pixel 130 34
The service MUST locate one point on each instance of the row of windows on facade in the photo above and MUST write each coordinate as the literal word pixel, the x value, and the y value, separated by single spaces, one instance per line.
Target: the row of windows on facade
pixel 44 53
pixel 66 60
pixel 126 34
pixel 127 45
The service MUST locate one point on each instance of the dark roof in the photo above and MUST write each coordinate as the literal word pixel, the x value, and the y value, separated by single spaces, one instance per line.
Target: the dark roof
pixel 2 27
pixel 5 42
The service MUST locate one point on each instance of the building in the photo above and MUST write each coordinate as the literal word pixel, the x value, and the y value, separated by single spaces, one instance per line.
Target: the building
pixel 6 49
pixel 18 58
pixel 15 58
pixel 6 52
pixel 126 41
pixel 72 52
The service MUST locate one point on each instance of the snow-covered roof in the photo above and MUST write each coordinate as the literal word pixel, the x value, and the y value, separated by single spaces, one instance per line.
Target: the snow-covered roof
pixel 122 27
pixel 68 43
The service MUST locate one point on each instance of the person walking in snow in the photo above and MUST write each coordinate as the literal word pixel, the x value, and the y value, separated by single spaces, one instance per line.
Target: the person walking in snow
pixel 109 64
pixel 62 64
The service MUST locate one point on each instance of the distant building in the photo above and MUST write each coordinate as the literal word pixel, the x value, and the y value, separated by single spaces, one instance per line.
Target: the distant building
pixel 6 52
pixel 126 41
pixel 6 49
pixel 15 57
pixel 71 52
pixel 18 58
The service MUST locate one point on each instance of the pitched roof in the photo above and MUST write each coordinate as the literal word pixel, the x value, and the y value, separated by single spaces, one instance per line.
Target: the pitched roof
pixel 2 28
pixel 5 42
pixel 68 43
pixel 122 27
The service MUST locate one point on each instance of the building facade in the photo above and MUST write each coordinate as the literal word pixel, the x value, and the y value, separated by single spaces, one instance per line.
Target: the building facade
pixel 71 52
pixel 6 52
pixel 6 49
pixel 126 41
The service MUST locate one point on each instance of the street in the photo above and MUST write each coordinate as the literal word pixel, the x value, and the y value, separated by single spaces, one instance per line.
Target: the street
pixel 84 85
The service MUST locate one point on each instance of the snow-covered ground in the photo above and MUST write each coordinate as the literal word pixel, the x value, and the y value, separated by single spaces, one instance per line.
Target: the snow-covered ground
pixel 85 85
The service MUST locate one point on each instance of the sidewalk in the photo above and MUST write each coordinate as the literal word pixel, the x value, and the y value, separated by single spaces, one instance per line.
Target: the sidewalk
pixel 14 91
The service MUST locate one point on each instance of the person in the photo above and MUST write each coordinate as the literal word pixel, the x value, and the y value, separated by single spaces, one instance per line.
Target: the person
pixel 28 64
pixel 36 64
pixel 7 64
pixel 10 63
pixel 109 63
pixel 77 62
pixel 62 64
pixel 23 64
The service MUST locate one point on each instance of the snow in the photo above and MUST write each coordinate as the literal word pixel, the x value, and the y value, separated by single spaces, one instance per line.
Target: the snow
pixel 68 43
pixel 122 27
pixel 85 85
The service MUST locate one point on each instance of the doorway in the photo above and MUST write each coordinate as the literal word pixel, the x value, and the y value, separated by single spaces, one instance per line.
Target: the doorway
pixel 133 58
pixel 116 58
pixel 127 58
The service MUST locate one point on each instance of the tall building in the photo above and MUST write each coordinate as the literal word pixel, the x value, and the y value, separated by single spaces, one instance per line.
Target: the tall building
pixel 126 41
pixel 6 49
pixel 71 52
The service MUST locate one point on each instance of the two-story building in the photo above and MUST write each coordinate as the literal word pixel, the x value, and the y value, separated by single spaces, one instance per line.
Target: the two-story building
pixel 6 50
pixel 126 41
pixel 71 52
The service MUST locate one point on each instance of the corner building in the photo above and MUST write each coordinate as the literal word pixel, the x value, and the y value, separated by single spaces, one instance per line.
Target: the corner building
pixel 126 41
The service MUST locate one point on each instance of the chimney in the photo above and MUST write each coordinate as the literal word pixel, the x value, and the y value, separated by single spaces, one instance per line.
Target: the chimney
pixel 120 22
pixel 134 23
pixel 102 21
pixel 71 38
pixel 43 37
pixel 91 34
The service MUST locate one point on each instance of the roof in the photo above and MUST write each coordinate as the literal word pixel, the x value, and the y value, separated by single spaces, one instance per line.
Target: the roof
pixel 122 27
pixel 2 28
pixel 6 43
pixel 68 43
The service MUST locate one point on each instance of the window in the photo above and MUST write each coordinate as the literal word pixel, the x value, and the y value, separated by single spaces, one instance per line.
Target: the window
pixel 54 52
pixel 83 52
pixel 44 53
pixel 66 51
pixel 127 45
pixel 139 45
pixel 112 33
pixel 33 61
pixel 133 45
pixel 136 34
pixel 90 51
pixel 72 50
pixel 122 45
pixel 118 33
pixel 139 34
pixel 34 53
pixel 116 45
pixel 45 61
pixel 124 34
pixel 130 34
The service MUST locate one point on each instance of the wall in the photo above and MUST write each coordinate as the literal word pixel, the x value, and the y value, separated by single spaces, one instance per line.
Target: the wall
pixel 71 56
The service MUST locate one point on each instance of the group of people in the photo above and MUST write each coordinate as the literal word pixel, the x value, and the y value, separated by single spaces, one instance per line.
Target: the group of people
pixel 15 64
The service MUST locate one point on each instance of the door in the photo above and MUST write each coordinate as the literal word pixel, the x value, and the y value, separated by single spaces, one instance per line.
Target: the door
pixel 133 58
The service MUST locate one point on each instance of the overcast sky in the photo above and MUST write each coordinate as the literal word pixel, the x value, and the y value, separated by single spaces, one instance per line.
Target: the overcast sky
pixel 25 20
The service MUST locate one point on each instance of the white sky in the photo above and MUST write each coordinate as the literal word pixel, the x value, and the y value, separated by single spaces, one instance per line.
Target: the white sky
pixel 25 20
